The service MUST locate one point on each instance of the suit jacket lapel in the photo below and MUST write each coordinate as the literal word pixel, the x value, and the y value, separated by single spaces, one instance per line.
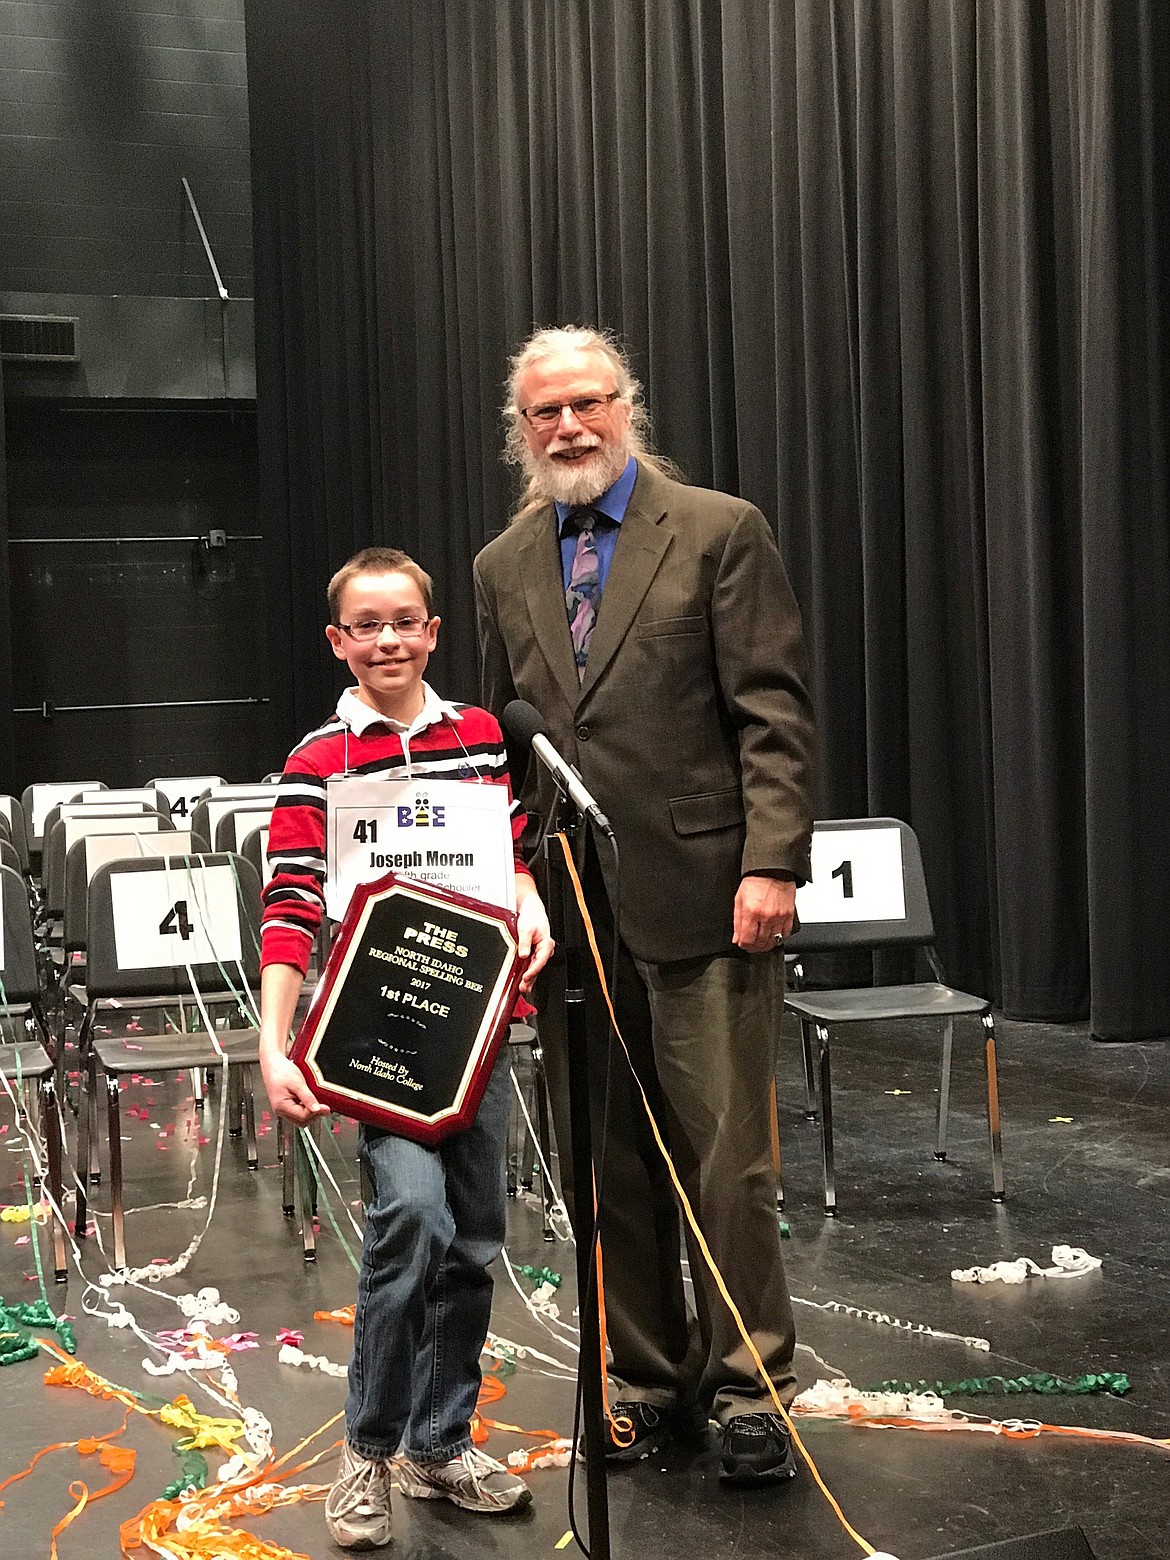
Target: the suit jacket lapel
pixel 641 546
pixel 544 591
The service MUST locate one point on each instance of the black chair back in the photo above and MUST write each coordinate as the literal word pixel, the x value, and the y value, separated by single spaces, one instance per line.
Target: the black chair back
pixel 868 889
pixel 86 855
pixel 18 958
pixel 78 822
pixel 151 920
pixel 37 800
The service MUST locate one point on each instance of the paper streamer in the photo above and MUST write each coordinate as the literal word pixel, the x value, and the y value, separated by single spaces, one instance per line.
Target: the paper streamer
pixel 1067 1262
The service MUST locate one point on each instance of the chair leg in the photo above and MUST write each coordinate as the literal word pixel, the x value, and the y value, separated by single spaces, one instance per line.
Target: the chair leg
pixel 774 1124
pixel 85 1118
pixel 540 1091
pixel 288 1155
pixel 997 1190
pixel 51 1126
pixel 234 1102
pixel 944 1087
pixel 810 1085
pixel 88 1163
pixel 114 1126
pixel 511 1183
pixel 307 1186
pixel 827 1121
pixel 249 1116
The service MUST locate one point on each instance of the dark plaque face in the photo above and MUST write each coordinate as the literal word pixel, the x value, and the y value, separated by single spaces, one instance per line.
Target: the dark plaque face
pixel 415 999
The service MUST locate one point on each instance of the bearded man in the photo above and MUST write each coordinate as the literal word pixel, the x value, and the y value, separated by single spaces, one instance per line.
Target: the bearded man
pixel 652 625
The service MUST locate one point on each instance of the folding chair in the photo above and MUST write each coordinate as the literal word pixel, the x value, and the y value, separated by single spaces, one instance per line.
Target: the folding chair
pixel 521 1169
pixel 238 822
pixel 147 795
pixel 38 799
pixel 74 822
pixel 868 891
pixel 82 860
pixel 217 803
pixel 182 792
pixel 254 848
pixel 12 812
pixel 24 1043
pixel 157 928
pixel 8 856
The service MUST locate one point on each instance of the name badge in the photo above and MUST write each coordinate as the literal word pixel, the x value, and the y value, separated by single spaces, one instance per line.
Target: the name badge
pixel 450 834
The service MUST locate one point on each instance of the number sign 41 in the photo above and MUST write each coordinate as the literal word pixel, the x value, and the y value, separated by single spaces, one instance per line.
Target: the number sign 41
pixel 857 876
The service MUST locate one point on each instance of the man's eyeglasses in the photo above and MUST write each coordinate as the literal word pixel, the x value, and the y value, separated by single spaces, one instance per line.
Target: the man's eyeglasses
pixel 370 628
pixel 585 407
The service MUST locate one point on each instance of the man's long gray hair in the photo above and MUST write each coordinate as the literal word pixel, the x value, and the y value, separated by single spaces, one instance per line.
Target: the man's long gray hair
pixel 552 342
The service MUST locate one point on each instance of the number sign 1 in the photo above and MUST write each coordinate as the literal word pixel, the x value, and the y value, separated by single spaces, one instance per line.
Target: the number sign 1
pixel 175 917
pixel 857 876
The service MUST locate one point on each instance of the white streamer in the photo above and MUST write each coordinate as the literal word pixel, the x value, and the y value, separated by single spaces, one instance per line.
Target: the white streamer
pixel 290 1355
pixel 880 1317
pixel 1067 1262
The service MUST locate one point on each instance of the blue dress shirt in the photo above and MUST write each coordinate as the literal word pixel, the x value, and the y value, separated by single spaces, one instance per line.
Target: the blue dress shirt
pixel 612 503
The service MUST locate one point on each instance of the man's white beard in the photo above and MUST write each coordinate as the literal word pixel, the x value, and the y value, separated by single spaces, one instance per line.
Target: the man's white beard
pixel 577 482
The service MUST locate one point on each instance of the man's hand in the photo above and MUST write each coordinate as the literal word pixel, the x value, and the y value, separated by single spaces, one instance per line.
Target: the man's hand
pixel 288 1093
pixel 764 910
pixel 535 937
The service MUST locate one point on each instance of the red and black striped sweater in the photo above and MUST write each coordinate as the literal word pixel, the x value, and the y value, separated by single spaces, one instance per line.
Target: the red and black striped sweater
pixel 460 742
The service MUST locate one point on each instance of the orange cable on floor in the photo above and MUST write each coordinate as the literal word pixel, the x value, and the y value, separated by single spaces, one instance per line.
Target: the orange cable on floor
pixel 685 1203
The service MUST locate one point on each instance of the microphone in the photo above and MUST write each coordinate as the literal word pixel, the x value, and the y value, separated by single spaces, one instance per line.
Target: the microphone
pixel 524 722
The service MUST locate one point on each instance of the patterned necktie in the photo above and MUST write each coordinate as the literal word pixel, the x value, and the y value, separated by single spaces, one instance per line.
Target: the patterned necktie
pixel 583 595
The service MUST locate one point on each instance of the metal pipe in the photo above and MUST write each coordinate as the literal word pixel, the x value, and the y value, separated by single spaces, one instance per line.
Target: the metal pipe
pixel 152 704
pixel 220 288
pixel 80 541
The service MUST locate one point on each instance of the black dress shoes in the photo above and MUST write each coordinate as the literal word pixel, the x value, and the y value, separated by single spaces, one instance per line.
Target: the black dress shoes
pixel 756 1450
pixel 642 1430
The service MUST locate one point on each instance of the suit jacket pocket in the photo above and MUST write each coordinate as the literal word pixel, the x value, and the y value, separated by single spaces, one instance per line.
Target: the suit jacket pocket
pixel 659 627
pixel 711 810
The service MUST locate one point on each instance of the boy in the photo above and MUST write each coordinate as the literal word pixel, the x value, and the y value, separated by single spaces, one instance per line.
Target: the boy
pixel 436 1219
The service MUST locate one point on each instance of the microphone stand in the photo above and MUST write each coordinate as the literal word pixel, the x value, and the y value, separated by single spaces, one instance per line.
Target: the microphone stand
pixel 568 930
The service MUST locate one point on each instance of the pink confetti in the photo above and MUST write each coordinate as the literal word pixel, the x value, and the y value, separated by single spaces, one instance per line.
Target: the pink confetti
pixel 290 1335
pixel 237 1341
pixel 22 1240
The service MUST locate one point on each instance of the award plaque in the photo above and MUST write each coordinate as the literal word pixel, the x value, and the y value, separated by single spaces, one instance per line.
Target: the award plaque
pixel 411 1008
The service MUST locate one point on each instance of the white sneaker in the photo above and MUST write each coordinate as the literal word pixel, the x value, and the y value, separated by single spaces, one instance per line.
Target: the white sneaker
pixel 472 1480
pixel 357 1509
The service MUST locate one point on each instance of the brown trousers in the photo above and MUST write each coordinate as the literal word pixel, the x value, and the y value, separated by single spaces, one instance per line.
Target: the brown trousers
pixel 702 1036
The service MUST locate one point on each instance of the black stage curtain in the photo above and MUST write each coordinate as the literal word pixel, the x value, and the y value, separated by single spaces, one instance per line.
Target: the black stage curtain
pixel 7 746
pixel 894 269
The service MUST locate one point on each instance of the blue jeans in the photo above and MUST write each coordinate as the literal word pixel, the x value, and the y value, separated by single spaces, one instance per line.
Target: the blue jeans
pixel 435 1223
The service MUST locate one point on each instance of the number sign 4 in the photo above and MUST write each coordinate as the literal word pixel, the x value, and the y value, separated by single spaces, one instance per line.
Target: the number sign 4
pixel 177 916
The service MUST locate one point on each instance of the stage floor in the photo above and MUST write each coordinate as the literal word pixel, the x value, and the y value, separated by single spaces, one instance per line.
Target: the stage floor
pixel 1086 1144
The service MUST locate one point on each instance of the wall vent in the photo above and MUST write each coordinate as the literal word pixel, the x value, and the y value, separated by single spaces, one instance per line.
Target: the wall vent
pixel 38 338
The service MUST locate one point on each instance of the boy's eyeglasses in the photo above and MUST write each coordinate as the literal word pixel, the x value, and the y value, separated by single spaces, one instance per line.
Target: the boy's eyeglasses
pixel 370 628
pixel 585 407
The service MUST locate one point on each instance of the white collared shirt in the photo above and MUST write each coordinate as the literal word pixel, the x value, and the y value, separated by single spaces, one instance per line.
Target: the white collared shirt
pixel 358 716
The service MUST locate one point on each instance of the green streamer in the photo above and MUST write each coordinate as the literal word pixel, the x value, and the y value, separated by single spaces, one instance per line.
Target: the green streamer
pixel 541 1276
pixel 998 1386
pixel 193 1475
pixel 16 1342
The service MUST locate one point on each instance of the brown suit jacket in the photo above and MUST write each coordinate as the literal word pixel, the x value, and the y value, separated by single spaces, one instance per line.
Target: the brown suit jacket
pixel 693 726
